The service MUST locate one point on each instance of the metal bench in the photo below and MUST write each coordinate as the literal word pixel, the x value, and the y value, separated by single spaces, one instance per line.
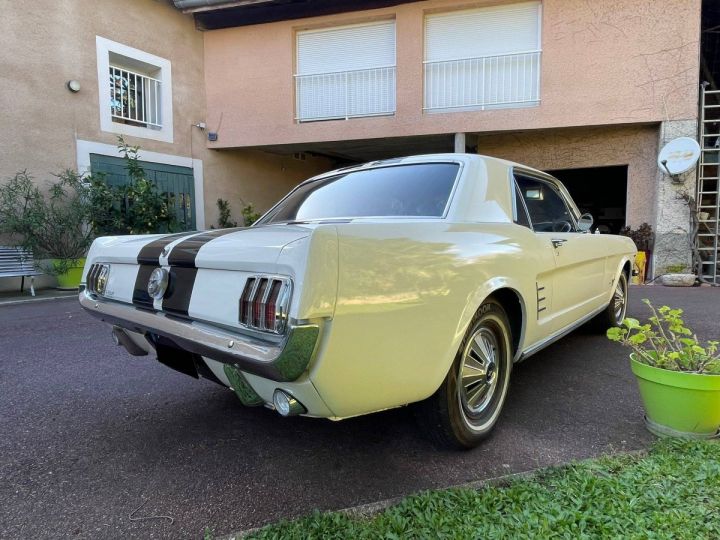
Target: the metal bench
pixel 18 262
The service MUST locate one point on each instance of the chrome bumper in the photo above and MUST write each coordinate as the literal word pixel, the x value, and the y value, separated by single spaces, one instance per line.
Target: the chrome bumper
pixel 283 361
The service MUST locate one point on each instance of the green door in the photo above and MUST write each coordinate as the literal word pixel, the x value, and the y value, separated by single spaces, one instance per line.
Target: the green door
pixel 176 183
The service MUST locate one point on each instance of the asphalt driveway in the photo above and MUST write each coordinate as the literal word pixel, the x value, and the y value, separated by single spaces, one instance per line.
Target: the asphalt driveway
pixel 88 433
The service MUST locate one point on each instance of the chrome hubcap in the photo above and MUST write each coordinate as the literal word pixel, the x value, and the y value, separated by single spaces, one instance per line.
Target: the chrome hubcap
pixel 478 375
pixel 619 301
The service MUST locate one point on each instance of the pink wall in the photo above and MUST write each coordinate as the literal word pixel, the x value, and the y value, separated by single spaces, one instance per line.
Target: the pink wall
pixel 603 62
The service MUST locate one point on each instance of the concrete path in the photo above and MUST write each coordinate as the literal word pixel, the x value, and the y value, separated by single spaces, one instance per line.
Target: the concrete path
pixel 88 433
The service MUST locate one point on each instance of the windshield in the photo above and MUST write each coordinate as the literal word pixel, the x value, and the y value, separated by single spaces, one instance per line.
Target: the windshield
pixel 419 190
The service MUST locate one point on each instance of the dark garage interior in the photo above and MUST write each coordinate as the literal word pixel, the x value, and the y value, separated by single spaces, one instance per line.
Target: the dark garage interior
pixel 601 191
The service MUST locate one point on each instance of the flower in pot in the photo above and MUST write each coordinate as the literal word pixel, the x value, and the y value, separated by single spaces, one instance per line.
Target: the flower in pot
pixel 50 222
pixel 678 376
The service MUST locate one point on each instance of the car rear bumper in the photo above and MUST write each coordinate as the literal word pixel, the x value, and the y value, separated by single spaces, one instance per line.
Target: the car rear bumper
pixel 284 360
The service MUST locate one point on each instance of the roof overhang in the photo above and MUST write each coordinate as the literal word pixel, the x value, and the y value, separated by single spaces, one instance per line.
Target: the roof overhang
pixel 215 14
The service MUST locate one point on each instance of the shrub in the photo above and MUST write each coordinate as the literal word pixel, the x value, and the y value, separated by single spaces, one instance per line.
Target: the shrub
pixel 53 224
pixel 135 208
pixel 666 343
pixel 643 236
pixel 249 214
pixel 224 221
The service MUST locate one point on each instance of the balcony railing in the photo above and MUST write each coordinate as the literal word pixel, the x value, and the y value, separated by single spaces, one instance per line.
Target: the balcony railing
pixel 505 80
pixel 345 94
pixel 135 98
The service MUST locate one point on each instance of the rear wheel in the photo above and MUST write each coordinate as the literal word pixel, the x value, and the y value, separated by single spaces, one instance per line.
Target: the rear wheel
pixel 466 407
pixel 614 313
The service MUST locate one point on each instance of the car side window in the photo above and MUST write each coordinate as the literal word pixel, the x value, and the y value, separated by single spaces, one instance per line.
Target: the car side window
pixel 546 207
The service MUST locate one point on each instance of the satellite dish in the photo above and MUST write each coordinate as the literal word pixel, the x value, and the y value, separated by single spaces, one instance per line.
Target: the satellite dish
pixel 679 155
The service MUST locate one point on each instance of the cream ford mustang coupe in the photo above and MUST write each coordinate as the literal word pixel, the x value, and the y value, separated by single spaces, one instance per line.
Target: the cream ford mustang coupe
pixel 415 280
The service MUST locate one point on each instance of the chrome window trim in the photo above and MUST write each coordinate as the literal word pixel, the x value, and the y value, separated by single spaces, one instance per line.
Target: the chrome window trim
pixel 368 167
pixel 557 187
pixel 515 193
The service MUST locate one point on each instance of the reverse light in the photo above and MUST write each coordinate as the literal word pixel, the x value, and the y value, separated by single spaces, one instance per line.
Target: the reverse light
pixel 264 303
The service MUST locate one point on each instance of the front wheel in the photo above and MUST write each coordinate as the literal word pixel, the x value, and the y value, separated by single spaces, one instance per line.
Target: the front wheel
pixel 465 408
pixel 614 313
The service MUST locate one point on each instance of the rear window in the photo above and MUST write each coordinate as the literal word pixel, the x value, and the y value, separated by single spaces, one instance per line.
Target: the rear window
pixel 419 190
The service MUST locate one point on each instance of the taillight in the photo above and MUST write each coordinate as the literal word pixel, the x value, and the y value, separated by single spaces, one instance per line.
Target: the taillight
pixel 258 304
pixel 264 303
pixel 246 302
pixel 271 304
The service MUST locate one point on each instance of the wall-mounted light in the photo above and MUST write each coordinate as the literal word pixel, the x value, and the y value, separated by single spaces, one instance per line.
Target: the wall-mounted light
pixel 73 86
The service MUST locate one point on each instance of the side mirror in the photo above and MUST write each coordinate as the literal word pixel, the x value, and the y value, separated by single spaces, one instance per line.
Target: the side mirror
pixel 585 222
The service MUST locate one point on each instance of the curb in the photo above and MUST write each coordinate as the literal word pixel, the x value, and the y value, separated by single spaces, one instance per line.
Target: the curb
pixel 370 509
pixel 16 301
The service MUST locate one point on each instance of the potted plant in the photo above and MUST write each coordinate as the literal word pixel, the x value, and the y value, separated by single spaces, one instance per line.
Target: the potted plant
pixel 678 376
pixel 644 239
pixel 51 222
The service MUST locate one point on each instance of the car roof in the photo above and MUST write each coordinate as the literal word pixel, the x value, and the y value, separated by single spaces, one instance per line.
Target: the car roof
pixel 426 158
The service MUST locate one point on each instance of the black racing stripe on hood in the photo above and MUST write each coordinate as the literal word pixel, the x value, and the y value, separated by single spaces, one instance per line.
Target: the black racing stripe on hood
pixel 150 253
pixel 185 253
pixel 141 298
pixel 180 287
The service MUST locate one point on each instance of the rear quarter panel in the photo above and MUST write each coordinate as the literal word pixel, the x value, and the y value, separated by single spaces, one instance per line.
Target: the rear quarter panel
pixel 406 293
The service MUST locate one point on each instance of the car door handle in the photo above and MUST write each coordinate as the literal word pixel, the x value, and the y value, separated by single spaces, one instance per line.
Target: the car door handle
pixel 558 242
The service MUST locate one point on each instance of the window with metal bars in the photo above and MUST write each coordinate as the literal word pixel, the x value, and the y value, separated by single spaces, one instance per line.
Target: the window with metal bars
pixel 134 98
pixel 135 91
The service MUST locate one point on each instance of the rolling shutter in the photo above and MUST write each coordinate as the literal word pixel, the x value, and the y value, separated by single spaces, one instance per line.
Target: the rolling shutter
pixel 483 57
pixel 346 71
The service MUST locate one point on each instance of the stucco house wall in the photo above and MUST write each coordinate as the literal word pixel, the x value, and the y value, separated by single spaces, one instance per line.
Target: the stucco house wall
pixel 635 146
pixel 603 62
pixel 48 42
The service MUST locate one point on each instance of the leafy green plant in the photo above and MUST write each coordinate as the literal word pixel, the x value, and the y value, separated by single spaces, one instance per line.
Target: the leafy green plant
pixel 674 489
pixel 666 343
pixel 135 208
pixel 249 214
pixel 53 223
pixel 224 220
pixel 675 269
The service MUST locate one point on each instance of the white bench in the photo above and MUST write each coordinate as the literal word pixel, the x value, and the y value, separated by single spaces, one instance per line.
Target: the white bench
pixel 18 262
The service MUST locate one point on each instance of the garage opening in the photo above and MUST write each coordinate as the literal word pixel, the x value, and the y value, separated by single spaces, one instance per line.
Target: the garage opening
pixel 601 191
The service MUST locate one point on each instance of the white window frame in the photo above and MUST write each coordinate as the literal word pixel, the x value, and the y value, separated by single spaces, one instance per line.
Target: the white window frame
pixel 104 48
pixel 85 148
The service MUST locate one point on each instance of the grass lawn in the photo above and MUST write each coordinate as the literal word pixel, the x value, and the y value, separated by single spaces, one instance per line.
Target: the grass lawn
pixel 672 492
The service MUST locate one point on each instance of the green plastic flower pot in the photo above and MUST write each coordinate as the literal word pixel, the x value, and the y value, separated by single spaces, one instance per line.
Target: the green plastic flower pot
pixel 679 404
pixel 71 279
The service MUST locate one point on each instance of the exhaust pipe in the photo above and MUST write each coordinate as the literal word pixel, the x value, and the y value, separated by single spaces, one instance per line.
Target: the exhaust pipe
pixel 120 337
pixel 286 405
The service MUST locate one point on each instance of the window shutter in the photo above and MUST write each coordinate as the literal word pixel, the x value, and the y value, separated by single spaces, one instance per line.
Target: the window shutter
pixel 346 71
pixel 483 57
